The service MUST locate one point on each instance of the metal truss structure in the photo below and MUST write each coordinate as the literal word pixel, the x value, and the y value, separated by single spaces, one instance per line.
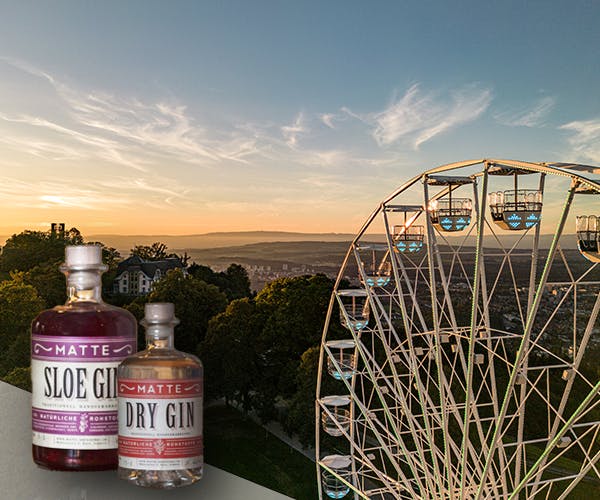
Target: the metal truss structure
pixel 459 357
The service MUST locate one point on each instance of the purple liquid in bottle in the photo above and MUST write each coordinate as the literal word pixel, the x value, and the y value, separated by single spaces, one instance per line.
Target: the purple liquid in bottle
pixel 76 349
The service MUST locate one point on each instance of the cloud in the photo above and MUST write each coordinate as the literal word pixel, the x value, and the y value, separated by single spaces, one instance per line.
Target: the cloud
pixel 51 194
pixel 129 131
pixel 292 132
pixel 327 119
pixel 532 117
pixel 96 194
pixel 585 138
pixel 418 116
pixel 40 147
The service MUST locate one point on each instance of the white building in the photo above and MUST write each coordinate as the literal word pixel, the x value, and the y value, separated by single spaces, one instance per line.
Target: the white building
pixel 136 276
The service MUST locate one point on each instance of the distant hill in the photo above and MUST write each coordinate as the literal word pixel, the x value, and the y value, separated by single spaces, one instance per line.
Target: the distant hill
pixel 212 240
pixel 316 254
pixel 124 243
pixel 193 242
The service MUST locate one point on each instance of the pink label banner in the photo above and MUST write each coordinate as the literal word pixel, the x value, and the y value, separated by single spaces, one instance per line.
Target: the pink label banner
pixel 75 423
pixel 81 348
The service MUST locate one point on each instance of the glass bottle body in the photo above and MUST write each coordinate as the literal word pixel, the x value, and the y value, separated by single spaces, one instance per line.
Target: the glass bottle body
pixel 76 349
pixel 161 365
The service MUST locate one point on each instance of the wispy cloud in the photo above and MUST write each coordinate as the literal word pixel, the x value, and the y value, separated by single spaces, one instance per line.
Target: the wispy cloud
pixel 130 131
pixel 585 138
pixel 534 116
pixel 327 119
pixel 293 131
pixel 48 195
pixel 418 116
pixel 121 193
pixel 40 147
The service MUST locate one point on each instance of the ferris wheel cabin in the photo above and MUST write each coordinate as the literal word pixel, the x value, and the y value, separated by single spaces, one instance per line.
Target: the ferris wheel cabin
pixel 335 483
pixel 354 309
pixel 341 361
pixel 588 232
pixel 446 212
pixel 407 237
pixel 515 209
pixel 336 416
pixel 376 268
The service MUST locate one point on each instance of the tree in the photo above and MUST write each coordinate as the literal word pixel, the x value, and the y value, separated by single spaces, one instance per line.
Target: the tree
pixel 111 257
pixel 234 282
pixel 195 303
pixel 203 273
pixel 229 352
pixel 49 281
pixel 156 251
pixel 136 307
pixel 28 249
pixel 238 282
pixel 19 305
pixel 295 310
pixel 300 418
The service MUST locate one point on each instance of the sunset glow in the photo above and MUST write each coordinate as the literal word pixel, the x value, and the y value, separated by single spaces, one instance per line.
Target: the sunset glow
pixel 236 116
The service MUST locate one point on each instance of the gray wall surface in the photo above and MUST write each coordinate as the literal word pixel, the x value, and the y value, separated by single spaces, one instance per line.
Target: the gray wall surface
pixel 21 479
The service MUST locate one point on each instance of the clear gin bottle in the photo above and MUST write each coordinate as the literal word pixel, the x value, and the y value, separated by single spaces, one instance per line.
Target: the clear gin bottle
pixel 160 408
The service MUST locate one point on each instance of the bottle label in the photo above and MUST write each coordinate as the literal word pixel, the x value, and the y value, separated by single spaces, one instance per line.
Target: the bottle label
pixel 74 390
pixel 160 424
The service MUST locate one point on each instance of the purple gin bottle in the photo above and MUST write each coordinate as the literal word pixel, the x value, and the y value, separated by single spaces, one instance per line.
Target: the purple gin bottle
pixel 75 352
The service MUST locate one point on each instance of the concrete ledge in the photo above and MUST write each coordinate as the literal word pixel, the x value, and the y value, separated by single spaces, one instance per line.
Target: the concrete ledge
pixel 21 479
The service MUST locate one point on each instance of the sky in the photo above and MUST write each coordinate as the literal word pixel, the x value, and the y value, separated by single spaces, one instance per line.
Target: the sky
pixel 187 117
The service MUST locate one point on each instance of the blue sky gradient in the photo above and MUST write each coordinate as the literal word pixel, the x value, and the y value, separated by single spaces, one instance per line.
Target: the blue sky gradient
pixel 187 117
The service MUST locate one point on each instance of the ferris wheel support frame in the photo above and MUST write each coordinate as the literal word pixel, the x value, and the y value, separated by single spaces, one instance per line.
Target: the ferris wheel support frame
pixel 487 479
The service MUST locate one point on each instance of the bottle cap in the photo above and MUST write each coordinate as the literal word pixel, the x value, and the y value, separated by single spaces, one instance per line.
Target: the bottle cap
pixel 159 312
pixel 83 256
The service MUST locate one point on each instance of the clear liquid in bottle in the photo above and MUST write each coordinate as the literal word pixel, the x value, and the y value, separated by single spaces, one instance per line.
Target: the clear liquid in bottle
pixel 160 408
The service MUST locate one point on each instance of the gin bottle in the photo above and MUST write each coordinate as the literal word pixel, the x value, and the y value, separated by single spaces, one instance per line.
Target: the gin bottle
pixel 75 351
pixel 160 408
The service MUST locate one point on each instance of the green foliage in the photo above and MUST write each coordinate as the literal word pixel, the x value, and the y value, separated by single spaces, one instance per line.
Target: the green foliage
pixel 195 303
pixel 156 251
pixel 239 282
pixel 111 257
pixel 295 309
pixel 19 377
pixel 137 309
pixel 47 279
pixel 19 304
pixel 255 347
pixel 300 418
pixel 229 353
pixel 234 282
pixel 28 249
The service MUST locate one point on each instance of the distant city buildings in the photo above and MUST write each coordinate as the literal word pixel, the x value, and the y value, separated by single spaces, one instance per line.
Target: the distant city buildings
pixel 136 276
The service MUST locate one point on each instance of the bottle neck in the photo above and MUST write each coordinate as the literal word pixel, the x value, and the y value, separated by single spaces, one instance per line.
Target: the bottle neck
pixel 159 336
pixel 84 285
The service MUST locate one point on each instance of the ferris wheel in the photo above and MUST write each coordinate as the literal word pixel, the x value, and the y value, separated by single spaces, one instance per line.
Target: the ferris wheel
pixel 461 350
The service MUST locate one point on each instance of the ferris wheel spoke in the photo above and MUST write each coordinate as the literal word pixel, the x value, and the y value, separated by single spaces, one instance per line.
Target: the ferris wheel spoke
pixel 575 367
pixel 527 332
pixel 579 477
pixel 556 440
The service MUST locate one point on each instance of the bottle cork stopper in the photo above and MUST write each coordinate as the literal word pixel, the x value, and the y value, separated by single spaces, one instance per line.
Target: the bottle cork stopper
pixel 159 312
pixel 83 255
